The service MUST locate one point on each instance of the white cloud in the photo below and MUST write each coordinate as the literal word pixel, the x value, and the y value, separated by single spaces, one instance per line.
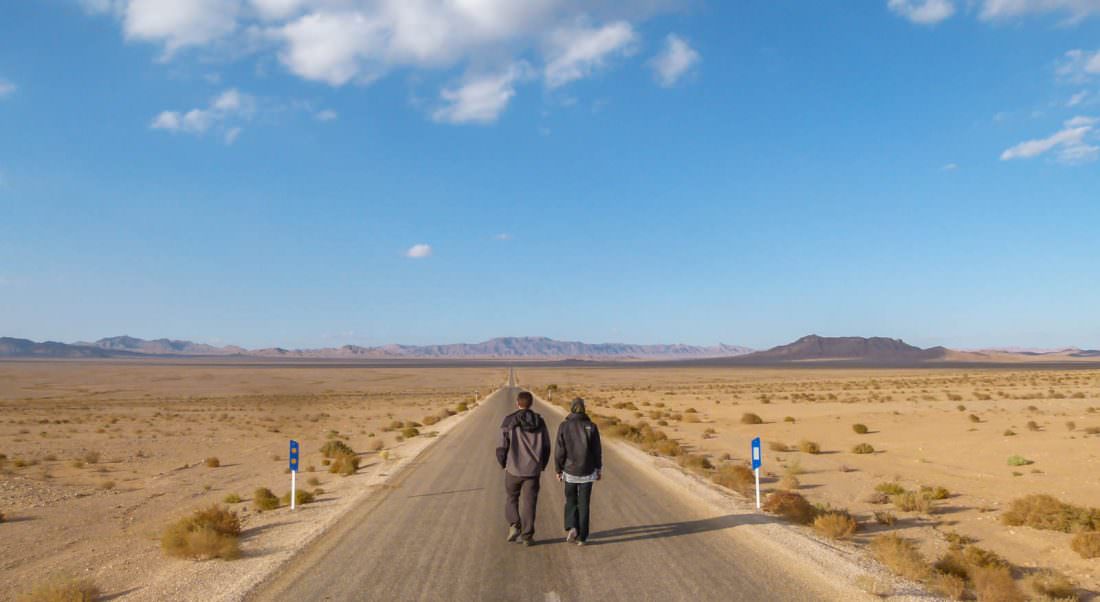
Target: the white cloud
pixel 277 9
pixel 6 88
pixel 992 10
pixel 951 167
pixel 1071 143
pixel 1077 99
pixel 577 51
pixel 675 59
pixel 230 105
pixel 419 251
pixel 325 115
pixel 480 99
pixel 1078 66
pixel 923 12
pixel 333 47
pixel 179 23
pixel 231 135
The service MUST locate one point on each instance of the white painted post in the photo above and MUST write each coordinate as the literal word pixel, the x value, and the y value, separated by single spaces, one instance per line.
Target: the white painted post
pixel 294 483
pixel 757 471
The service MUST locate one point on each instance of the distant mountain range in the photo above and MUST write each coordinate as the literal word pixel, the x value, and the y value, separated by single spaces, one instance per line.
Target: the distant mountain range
pixel 504 347
pixel 808 349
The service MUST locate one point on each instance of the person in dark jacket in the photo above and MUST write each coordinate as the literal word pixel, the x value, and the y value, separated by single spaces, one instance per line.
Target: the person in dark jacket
pixel 578 460
pixel 523 453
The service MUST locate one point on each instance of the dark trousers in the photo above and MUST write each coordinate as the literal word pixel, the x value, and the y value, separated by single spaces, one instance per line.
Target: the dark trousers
pixel 578 500
pixel 519 507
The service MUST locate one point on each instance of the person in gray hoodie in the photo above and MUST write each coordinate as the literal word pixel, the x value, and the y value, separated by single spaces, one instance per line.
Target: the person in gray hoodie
pixel 523 453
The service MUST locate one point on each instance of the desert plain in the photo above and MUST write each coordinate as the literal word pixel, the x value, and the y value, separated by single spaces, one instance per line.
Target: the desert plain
pixel 100 456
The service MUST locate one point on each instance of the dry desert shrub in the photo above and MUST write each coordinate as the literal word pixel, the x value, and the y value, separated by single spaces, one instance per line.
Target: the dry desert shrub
pixel 809 447
pixel 91 457
pixel 430 420
pixel 1051 584
pixel 885 518
pixel 334 448
pixel 863 448
pixel 995 583
pixel 778 446
pixel 974 418
pixel 836 524
pixel 462 406
pixel 232 498
pixel 860 429
pixel 790 506
pixel 206 534
pixel 1071 425
pixel 409 432
pixel 737 477
pixel 264 499
pixel 1087 544
pixel 1018 460
pixel 1032 425
pixel 1046 512
pixel 62 589
pixel 750 418
pixel 376 444
pixel 696 463
pixel 1009 433
pixel 212 462
pixel 949 586
pixel 901 556
pixel 889 488
pixel 313 481
pixel 911 501
pixel 301 496
pixel 935 493
pixel 789 482
pixel 344 464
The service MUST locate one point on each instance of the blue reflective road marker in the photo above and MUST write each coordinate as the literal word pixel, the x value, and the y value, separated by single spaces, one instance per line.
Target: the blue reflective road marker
pixel 293 456
pixel 757 460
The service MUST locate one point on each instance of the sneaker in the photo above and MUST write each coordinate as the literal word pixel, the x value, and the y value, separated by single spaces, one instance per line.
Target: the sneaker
pixel 513 532
pixel 527 541
pixel 580 542
pixel 571 536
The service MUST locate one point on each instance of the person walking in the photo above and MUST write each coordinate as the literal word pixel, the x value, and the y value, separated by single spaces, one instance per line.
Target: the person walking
pixel 578 461
pixel 523 453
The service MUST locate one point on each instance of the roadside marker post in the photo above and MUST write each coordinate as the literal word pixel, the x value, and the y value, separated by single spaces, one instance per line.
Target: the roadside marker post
pixel 293 472
pixel 756 461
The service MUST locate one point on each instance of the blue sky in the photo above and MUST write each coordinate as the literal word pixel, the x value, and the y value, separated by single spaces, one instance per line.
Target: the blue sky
pixel 321 172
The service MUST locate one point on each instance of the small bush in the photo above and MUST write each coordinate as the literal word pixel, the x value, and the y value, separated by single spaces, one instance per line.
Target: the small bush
pixel 790 506
pixel 889 488
pixel 313 481
pixel 788 419
pixel 860 429
pixel 789 482
pixel 430 420
pixel 1032 425
pixel 212 462
pixel 750 418
pixel 947 585
pixel 885 518
pixel 696 463
pixel 911 501
pixel 1053 585
pixel 264 499
pixel 409 432
pixel 974 418
pixel 836 524
pixel 1017 460
pixel 737 477
pixel 376 445
pixel 62 589
pixel 995 583
pixel 91 457
pixel 106 485
pixel 809 447
pixel 462 406
pixel 344 464
pixel 863 448
pixel 1071 425
pixel 901 556
pixel 335 448
pixel 778 446
pixel 208 533
pixel 1009 433
pixel 1087 544
pixel 935 493
pixel 301 496
pixel 1046 512
pixel 232 498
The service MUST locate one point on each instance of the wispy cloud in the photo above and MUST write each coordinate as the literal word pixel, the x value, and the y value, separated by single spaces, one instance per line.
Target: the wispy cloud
pixel 676 58
pixel 503 236
pixel 950 167
pixel 1078 66
pixel 1077 99
pixel 577 51
pixel 923 12
pixel 1071 143
pixel 419 251
pixel 481 98
pixel 229 106
pixel 232 134
pixel 326 115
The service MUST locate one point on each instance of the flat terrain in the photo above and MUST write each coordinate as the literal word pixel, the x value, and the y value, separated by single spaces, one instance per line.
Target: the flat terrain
pixel 438 534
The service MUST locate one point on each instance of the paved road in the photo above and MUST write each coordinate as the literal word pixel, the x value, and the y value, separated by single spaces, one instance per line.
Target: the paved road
pixel 438 533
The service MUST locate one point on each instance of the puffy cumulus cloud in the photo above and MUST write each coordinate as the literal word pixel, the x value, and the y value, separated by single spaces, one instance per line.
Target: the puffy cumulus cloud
pixel 1078 66
pixel 419 251
pixel 1071 143
pixel 179 23
pixel 480 98
pixel 575 52
pixel 229 106
pixel 923 12
pixel 676 58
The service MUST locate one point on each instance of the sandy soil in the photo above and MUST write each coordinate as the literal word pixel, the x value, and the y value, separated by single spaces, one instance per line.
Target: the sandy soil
pixel 919 424
pixel 101 456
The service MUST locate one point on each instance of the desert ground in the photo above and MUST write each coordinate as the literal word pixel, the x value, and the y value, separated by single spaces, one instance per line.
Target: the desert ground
pixel 955 429
pixel 99 457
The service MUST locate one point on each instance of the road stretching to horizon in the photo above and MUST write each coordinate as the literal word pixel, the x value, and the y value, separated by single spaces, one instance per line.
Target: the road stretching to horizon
pixel 437 532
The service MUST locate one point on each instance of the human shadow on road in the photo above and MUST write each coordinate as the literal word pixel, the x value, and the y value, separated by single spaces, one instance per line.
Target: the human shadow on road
pixel 641 532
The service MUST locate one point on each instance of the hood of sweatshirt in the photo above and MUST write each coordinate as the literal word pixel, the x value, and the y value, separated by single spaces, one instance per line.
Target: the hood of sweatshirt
pixel 528 421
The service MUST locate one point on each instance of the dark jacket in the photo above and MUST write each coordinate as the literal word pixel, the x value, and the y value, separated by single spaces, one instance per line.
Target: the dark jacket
pixel 578 450
pixel 524 448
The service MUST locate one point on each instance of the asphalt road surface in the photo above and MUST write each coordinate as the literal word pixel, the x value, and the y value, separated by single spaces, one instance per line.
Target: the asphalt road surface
pixel 437 532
